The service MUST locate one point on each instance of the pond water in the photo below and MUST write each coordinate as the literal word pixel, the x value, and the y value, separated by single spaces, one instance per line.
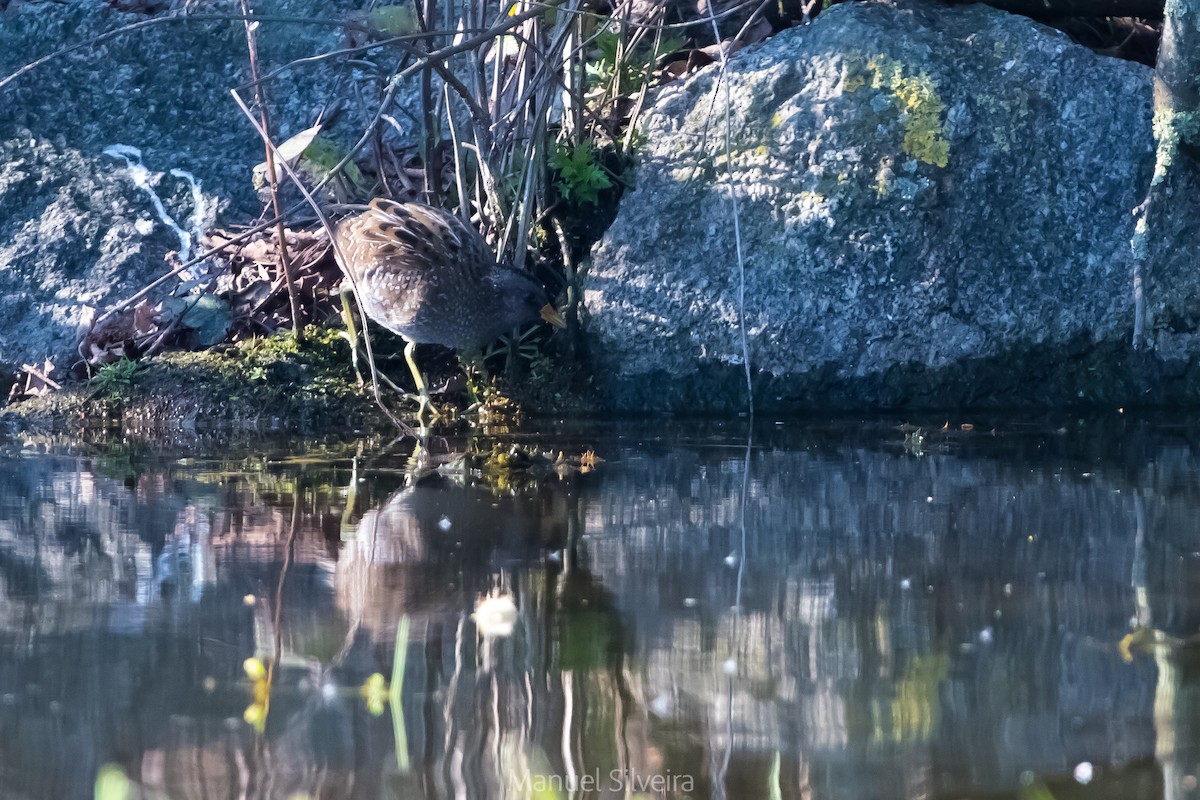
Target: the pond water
pixel 799 610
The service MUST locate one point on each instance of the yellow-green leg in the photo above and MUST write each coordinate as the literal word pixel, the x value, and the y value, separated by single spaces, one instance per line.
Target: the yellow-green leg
pixel 426 407
pixel 351 333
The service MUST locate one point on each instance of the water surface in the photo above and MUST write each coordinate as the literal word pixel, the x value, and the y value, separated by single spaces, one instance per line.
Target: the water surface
pixel 805 610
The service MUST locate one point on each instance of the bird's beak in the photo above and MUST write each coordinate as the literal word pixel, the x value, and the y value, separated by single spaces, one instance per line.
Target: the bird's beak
pixel 550 314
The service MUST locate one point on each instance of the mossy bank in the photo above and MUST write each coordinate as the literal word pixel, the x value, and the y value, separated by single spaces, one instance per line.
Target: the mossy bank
pixel 276 384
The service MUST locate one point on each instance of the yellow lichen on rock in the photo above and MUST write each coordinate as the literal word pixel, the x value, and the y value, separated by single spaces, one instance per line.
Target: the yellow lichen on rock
pixel 917 96
pixel 853 77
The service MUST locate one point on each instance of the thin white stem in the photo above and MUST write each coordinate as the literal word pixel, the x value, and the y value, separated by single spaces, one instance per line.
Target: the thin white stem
pixel 722 78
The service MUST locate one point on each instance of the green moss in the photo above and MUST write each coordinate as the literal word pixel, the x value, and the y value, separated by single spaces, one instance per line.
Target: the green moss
pixel 273 382
pixel 298 374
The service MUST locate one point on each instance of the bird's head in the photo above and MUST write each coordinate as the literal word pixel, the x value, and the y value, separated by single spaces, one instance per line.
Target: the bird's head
pixel 523 299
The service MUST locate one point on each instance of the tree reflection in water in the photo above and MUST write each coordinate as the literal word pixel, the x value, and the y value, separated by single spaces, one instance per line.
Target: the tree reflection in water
pixel 846 612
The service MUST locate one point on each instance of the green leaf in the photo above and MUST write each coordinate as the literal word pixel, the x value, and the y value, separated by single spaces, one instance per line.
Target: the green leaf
pixel 393 20
pixel 580 176
pixel 670 45
pixel 210 318
pixel 608 43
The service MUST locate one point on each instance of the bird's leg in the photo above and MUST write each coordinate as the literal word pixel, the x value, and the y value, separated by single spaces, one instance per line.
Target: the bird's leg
pixel 351 333
pixel 427 407
pixel 417 464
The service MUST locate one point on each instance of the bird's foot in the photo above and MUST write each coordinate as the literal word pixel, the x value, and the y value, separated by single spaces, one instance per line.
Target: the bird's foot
pixel 427 411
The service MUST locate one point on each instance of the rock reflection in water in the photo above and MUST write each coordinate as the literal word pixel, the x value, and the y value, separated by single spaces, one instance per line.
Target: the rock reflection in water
pixel 839 614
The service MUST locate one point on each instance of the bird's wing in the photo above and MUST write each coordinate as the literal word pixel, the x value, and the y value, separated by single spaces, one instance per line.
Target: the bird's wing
pixel 422 238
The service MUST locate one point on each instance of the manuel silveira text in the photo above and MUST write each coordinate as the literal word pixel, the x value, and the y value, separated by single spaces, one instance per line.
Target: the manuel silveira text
pixel 613 780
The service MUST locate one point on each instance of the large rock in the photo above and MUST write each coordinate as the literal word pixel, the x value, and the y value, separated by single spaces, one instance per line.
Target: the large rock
pixel 934 208
pixel 74 229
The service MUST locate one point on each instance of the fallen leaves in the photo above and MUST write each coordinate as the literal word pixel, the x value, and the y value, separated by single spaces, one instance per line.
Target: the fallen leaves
pixel 245 296
pixel 33 381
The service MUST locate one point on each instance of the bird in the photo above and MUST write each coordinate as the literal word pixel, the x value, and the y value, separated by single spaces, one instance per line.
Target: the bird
pixel 429 277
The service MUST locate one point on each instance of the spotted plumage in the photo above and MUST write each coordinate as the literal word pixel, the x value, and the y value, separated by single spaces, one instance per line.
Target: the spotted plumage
pixel 431 278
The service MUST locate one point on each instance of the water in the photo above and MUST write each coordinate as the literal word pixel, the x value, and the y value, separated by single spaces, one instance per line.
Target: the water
pixel 833 610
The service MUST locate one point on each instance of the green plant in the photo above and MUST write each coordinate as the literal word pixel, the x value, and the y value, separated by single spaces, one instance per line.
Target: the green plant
pixel 580 176
pixel 116 379
pixel 609 64
pixel 521 348
pixel 543 369
pixel 621 66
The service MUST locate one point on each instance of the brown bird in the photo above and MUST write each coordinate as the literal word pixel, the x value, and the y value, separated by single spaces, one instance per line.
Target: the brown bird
pixel 429 277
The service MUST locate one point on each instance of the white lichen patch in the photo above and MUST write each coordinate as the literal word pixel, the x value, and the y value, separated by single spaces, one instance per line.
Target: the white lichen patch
pixel 807 208
pixel 1171 129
